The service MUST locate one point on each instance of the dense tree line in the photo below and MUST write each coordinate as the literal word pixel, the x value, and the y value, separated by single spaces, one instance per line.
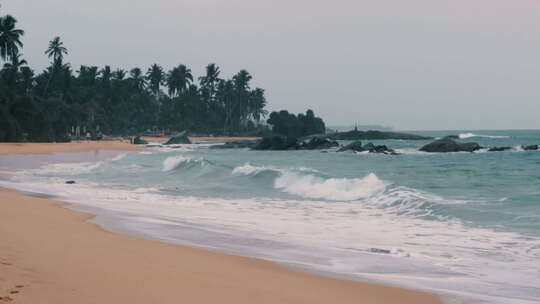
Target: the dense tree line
pixel 46 106
pixel 295 126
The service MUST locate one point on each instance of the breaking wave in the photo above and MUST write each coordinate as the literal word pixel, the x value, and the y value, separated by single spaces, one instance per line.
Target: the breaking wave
pixel 176 162
pixel 338 189
pixel 470 135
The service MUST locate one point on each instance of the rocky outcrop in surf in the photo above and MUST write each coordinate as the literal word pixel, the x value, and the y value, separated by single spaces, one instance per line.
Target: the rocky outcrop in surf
pixel 447 144
pixel 287 143
pixel 499 149
pixel 179 138
pixel 530 148
pixel 239 144
pixel 369 147
pixel 318 143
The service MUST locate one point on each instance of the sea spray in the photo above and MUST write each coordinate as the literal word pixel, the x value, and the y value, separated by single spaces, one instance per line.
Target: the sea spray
pixel 338 189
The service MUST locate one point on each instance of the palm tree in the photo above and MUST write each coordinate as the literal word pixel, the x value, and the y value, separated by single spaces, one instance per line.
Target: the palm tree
pixel 210 80
pixel 257 102
pixel 27 78
pixel 106 74
pixel 241 80
pixel 12 68
pixel 179 79
pixel 9 37
pixel 155 76
pixel 137 78
pixel 119 74
pixel 56 50
pixel 16 63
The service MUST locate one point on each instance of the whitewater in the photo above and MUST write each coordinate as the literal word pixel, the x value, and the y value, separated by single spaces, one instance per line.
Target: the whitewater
pixel 464 225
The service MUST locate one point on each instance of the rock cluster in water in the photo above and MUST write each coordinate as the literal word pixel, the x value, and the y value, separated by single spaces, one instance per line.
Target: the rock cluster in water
pixel 286 143
pixel 447 144
pixel 179 138
pixel 371 148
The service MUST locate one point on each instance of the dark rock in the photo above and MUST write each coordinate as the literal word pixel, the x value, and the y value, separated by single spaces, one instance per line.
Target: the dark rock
pixel 179 138
pixel 499 149
pixel 379 149
pixel 448 145
pixel 354 146
pixel 375 135
pixel 139 141
pixel 70 182
pixel 318 143
pixel 530 148
pixel 378 250
pixel 369 147
pixel 452 136
pixel 277 143
pixel 240 144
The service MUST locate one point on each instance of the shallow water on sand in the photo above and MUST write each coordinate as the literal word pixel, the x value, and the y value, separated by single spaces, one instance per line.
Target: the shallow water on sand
pixel 462 224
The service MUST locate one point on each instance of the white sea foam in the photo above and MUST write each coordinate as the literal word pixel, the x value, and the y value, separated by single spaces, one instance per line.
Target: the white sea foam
pixel 70 168
pixel 249 169
pixel 469 135
pixel 340 189
pixel 171 163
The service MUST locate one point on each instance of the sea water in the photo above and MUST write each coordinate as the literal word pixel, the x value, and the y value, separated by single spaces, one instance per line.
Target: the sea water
pixel 464 225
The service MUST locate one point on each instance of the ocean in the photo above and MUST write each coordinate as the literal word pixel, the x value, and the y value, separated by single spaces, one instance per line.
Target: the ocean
pixel 464 225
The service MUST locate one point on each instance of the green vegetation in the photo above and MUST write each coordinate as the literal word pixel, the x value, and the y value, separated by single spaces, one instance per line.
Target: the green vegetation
pixel 50 105
pixel 295 126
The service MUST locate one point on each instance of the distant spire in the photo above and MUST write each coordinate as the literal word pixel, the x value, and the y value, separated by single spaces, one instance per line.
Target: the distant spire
pixel 356 127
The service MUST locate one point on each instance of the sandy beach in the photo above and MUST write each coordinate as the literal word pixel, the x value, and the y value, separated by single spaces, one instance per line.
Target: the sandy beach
pixel 75 146
pixel 50 254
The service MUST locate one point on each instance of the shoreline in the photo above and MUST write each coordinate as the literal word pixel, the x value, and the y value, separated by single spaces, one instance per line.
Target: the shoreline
pixel 99 265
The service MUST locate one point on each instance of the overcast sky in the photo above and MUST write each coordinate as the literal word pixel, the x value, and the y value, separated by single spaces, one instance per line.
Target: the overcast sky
pixel 414 64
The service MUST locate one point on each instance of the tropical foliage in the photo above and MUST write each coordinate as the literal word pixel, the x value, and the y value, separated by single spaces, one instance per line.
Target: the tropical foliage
pixel 49 105
pixel 294 126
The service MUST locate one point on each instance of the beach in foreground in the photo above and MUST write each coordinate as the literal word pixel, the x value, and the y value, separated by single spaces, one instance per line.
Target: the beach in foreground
pixel 50 254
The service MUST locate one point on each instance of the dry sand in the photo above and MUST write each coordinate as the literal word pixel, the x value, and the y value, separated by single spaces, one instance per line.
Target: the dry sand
pixel 49 254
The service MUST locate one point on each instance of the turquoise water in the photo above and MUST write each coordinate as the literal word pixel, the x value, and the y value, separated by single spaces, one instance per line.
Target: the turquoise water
pixel 466 225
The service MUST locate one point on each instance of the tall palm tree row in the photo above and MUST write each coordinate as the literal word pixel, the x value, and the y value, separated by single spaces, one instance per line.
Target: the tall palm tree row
pixel 47 106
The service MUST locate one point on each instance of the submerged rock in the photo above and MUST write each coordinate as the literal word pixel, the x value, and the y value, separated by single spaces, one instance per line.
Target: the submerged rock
pixel 499 149
pixel 239 144
pixel 318 143
pixel 279 142
pixel 530 148
pixel 70 182
pixel 179 138
pixel 452 136
pixel 449 145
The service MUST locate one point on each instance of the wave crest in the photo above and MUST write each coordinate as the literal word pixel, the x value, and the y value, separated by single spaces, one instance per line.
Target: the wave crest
pixel 469 135
pixel 175 162
pixel 338 189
